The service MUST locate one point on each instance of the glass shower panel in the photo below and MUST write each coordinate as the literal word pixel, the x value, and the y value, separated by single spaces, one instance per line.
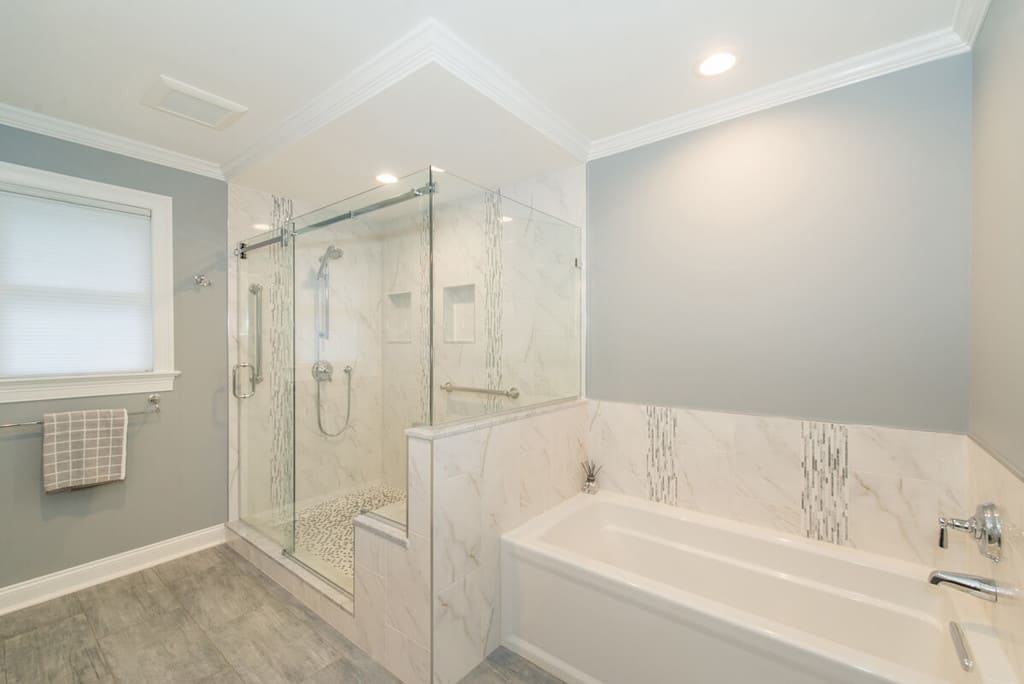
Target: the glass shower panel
pixel 506 303
pixel 362 364
pixel 262 383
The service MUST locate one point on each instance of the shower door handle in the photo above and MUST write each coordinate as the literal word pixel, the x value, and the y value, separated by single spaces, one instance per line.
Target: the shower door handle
pixel 236 373
pixel 257 323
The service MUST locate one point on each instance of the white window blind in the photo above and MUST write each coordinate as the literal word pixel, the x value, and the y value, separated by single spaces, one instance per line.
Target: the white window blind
pixel 76 286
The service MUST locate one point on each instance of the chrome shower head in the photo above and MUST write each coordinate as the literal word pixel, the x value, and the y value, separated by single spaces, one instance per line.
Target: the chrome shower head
pixel 331 253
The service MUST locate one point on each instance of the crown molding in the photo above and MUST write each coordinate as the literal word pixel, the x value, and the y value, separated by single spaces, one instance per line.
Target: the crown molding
pixel 969 16
pixel 487 78
pixel 919 50
pixel 83 135
pixel 405 56
pixel 431 42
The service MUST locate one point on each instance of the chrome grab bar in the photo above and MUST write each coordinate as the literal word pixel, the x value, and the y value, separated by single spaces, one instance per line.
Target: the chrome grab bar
pixel 963 651
pixel 511 392
pixel 257 334
pixel 235 388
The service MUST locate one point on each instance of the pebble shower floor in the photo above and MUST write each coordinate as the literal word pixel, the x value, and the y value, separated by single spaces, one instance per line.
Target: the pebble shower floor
pixel 325 530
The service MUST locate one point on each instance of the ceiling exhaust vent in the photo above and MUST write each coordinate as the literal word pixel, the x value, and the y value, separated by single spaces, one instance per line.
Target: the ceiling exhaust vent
pixel 189 102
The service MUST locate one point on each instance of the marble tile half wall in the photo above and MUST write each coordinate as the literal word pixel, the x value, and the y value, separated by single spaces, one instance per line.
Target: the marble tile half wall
pixel 872 488
pixel 488 478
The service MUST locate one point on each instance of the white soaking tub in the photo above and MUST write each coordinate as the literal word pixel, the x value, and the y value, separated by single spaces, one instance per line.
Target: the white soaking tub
pixel 613 589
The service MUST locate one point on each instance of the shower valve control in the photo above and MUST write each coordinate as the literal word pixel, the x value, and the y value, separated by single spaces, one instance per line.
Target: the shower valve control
pixel 323 371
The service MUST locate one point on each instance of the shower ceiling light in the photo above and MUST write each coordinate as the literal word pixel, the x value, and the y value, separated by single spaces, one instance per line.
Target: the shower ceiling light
pixel 506 219
pixel 387 178
pixel 718 63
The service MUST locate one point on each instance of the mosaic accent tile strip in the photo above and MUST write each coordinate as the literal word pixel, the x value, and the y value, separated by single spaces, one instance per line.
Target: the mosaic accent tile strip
pixel 662 478
pixel 325 529
pixel 493 295
pixel 425 320
pixel 278 367
pixel 824 503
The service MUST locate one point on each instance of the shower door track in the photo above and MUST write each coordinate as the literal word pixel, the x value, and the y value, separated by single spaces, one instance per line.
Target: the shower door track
pixel 428 189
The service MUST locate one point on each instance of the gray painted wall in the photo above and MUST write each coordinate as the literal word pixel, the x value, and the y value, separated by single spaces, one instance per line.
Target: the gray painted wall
pixel 177 461
pixel 810 260
pixel 997 231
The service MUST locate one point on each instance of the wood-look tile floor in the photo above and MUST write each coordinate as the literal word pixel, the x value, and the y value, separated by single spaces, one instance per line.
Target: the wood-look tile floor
pixel 208 617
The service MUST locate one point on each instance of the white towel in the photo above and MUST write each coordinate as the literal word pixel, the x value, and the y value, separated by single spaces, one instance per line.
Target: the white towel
pixel 83 448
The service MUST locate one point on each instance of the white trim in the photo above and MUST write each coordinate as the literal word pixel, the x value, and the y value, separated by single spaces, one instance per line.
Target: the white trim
pixel 398 60
pixel 969 16
pixel 71 386
pixel 83 135
pixel 886 60
pixel 40 589
pixel 161 225
pixel 491 81
pixel 431 42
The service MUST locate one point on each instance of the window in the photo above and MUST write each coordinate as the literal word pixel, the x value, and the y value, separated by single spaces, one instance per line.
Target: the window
pixel 86 291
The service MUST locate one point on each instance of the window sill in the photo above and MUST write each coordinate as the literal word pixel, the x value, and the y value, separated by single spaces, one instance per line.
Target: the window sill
pixel 74 386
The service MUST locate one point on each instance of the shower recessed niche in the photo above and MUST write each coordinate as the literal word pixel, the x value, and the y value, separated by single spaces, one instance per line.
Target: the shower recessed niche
pixel 460 313
pixel 398 317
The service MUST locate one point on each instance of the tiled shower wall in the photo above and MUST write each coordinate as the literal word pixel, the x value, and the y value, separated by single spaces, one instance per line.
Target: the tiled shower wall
pixel 872 488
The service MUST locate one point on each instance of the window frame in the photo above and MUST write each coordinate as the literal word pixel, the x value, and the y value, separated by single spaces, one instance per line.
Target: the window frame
pixel 161 377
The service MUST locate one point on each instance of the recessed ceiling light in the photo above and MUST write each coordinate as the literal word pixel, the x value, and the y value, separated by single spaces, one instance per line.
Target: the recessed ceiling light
pixel 718 63
pixel 261 226
pixel 387 178
pixel 506 219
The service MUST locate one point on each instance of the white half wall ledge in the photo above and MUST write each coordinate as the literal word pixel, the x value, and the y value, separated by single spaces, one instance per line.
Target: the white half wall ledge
pixel 887 60
pixel 41 589
pixel 34 122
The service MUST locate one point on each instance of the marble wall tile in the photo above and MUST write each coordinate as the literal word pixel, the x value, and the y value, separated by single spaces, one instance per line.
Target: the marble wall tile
pixel 404 659
pixel 990 481
pixel 408 589
pixel 370 591
pixel 777 472
pixel 486 482
pixel 894 516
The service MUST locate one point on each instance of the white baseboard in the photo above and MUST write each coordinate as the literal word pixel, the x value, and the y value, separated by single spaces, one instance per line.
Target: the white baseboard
pixel 40 589
pixel 549 662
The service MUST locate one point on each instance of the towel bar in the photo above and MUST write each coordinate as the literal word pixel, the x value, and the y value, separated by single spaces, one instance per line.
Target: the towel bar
pixel 154 407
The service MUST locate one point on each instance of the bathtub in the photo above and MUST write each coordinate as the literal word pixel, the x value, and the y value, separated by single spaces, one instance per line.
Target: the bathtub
pixel 614 589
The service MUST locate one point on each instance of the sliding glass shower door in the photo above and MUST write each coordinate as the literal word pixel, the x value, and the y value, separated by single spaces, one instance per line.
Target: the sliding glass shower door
pixel 362 364
pixel 262 383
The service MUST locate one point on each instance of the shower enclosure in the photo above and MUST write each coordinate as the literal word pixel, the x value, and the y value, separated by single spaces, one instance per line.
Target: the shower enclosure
pixel 422 302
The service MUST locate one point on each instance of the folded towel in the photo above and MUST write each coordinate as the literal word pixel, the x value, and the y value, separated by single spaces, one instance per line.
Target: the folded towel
pixel 83 448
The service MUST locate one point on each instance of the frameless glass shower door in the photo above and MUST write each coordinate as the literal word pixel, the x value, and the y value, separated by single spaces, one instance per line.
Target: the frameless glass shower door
pixel 362 364
pixel 426 301
pixel 262 384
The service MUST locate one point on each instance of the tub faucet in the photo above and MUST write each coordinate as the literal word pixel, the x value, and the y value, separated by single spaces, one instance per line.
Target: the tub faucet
pixel 980 587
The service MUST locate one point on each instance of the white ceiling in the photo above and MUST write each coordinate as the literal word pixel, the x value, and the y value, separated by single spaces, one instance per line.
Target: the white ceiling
pixel 338 91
